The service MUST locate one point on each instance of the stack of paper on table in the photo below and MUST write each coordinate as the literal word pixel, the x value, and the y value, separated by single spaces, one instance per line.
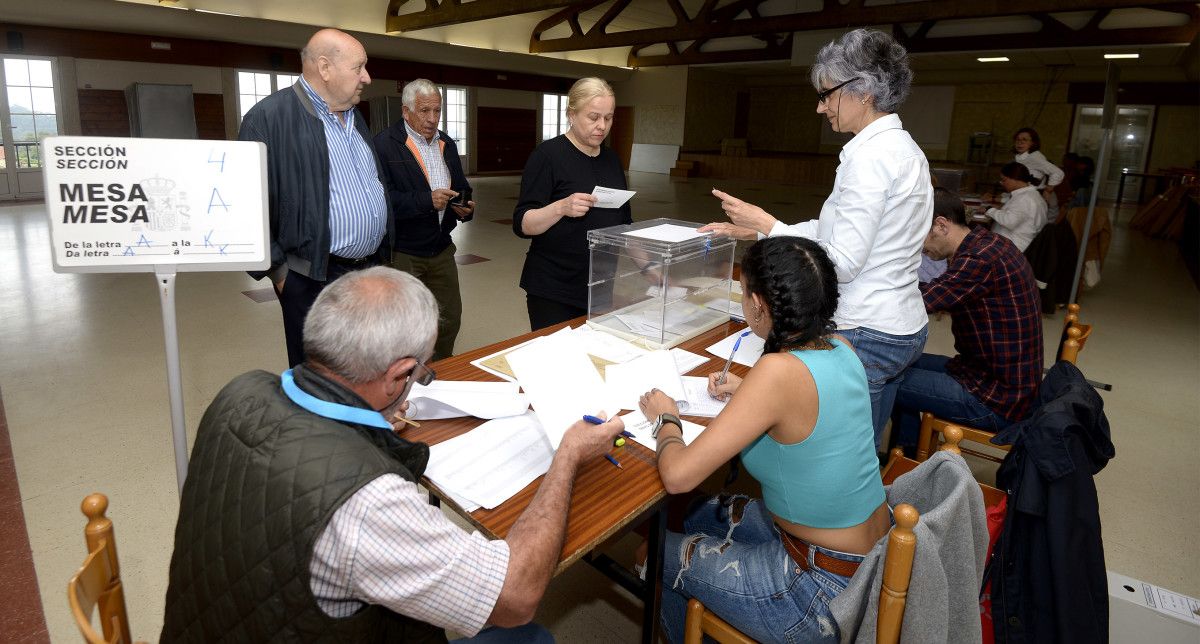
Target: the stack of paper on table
pixel 655 370
pixel 636 424
pixel 749 351
pixel 561 382
pixel 454 399
pixel 489 464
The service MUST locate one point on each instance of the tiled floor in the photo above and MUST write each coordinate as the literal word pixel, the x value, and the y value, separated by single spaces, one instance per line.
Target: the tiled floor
pixel 82 365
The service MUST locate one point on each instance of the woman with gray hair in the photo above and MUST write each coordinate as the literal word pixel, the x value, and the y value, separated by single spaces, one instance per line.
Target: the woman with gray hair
pixel 874 222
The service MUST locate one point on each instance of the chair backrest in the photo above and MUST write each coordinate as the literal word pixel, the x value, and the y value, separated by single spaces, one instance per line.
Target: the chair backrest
pixel 1070 345
pixel 897 572
pixel 98 581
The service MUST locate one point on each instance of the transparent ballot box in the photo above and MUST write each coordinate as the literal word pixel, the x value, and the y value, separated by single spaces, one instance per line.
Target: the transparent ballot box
pixel 657 283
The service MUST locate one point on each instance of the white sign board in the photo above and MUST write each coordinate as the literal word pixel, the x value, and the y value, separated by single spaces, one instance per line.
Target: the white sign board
pixel 126 204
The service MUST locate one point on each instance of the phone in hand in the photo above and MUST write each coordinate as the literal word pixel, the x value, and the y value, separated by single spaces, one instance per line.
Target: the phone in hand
pixel 462 198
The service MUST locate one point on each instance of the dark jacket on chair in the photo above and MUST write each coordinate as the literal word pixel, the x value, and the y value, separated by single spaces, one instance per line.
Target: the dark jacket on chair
pixel 1052 255
pixel 1047 568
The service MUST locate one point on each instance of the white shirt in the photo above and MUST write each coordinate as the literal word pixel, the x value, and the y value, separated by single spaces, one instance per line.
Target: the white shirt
pixel 873 226
pixel 1040 167
pixel 386 545
pixel 1022 218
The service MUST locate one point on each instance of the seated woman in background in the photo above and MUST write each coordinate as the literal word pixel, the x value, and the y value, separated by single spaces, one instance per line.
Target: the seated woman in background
pixel 1024 215
pixel 801 421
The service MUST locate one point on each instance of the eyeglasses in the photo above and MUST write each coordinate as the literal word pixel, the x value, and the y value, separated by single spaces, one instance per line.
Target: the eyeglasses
pixel 427 374
pixel 823 95
pixel 420 373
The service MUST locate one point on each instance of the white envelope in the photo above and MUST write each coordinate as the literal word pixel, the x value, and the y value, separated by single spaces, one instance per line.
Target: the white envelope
pixel 455 399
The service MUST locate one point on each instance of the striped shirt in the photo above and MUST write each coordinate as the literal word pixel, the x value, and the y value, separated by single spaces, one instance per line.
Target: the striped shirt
pixel 432 160
pixel 386 545
pixel 357 202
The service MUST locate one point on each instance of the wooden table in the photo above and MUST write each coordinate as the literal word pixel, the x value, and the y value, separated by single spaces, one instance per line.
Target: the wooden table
pixel 606 501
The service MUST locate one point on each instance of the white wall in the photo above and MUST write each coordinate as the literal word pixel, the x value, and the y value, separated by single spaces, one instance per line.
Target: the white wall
pixel 117 74
pixel 658 96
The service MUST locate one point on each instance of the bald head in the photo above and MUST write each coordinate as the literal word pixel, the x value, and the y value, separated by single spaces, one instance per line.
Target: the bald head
pixel 335 65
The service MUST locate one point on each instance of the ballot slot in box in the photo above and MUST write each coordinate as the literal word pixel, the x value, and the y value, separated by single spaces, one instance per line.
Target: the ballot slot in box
pixel 659 282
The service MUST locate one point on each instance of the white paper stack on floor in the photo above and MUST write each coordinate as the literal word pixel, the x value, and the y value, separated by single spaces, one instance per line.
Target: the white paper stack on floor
pixel 561 382
pixel 454 399
pixel 749 351
pixel 489 464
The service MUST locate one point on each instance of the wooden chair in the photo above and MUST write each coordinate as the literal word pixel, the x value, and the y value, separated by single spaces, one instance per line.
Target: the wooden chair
pixel 98 581
pixel 1074 336
pixel 893 593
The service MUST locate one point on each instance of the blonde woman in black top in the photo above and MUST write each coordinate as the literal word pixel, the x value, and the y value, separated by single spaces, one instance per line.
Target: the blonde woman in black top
pixel 556 207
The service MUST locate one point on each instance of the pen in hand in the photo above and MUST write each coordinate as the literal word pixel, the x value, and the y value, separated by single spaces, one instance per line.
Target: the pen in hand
pixel 600 421
pixel 737 343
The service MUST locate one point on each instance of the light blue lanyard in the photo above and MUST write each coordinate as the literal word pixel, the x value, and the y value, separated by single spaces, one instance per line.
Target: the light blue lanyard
pixel 335 411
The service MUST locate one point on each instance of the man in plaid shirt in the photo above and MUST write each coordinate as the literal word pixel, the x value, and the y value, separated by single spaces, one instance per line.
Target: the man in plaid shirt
pixel 989 290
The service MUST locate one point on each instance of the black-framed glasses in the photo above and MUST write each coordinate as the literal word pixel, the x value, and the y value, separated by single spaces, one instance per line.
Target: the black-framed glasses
pixel 823 95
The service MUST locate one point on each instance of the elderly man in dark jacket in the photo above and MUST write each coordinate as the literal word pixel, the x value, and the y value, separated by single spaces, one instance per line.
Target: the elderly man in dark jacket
pixel 328 211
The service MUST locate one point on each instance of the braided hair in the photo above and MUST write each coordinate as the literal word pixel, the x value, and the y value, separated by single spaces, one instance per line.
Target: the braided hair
pixel 796 280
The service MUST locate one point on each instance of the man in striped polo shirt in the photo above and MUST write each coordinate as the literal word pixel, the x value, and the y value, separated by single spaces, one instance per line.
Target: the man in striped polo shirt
pixel 328 211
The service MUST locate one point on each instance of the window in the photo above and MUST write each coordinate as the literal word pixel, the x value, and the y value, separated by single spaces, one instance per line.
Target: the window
pixel 255 86
pixel 554 115
pixel 454 115
pixel 30 89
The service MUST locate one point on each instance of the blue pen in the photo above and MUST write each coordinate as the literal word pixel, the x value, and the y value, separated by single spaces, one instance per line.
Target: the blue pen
pixel 600 421
pixel 736 343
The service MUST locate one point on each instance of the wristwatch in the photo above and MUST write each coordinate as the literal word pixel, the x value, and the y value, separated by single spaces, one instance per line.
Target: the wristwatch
pixel 662 420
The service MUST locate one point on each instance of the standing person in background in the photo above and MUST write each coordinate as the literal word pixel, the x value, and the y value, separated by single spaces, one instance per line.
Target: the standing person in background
pixel 423 174
pixel 1024 214
pixel 1027 146
pixel 328 211
pixel 555 208
pixel 874 222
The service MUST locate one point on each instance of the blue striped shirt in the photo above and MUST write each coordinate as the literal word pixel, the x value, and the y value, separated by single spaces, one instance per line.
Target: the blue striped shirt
pixel 357 202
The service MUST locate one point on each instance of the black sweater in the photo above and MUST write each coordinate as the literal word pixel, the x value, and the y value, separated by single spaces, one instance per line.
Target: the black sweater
pixel 556 266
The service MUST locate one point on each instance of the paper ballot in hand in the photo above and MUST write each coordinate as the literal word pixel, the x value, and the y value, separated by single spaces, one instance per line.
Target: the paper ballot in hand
pixel 611 197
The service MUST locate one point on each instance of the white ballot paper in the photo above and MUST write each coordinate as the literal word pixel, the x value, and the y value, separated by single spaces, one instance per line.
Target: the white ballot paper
pixel 685 361
pixel 457 398
pixel 655 370
pixel 636 424
pixel 749 351
pixel 666 233
pixel 699 403
pixel 561 382
pixel 607 346
pixel 489 464
pixel 611 197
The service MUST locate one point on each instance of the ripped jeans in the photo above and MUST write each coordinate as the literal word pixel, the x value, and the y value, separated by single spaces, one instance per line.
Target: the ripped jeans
pixel 733 561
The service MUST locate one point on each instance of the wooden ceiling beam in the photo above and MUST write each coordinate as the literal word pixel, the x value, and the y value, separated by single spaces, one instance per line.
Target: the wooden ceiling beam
pixel 440 13
pixel 833 16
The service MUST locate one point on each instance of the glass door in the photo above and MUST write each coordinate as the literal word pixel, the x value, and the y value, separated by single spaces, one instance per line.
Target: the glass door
pixel 28 113
pixel 1129 147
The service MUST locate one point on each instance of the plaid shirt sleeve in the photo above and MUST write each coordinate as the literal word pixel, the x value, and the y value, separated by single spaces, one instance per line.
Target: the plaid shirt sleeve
pixel 386 545
pixel 967 276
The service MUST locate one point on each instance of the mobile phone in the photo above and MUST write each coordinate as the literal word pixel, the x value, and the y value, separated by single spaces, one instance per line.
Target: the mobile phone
pixel 462 198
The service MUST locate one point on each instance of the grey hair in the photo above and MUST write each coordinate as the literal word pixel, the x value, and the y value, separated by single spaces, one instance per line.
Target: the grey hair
pixel 873 57
pixel 419 87
pixel 366 320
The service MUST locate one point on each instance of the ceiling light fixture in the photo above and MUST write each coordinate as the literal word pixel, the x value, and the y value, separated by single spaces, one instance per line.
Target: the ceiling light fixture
pixel 994 59
pixel 1115 56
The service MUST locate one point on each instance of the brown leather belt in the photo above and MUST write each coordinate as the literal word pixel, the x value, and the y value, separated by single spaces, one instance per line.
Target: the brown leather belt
pixel 798 549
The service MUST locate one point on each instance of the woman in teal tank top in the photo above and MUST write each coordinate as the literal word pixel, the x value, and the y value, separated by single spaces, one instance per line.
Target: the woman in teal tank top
pixel 801 421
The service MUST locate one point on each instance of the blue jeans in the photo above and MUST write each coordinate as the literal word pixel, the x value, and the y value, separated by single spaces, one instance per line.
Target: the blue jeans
pixel 733 561
pixel 885 357
pixel 527 634
pixel 927 387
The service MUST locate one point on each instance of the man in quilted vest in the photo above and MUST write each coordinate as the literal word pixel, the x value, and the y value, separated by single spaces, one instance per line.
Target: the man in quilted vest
pixel 301 519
